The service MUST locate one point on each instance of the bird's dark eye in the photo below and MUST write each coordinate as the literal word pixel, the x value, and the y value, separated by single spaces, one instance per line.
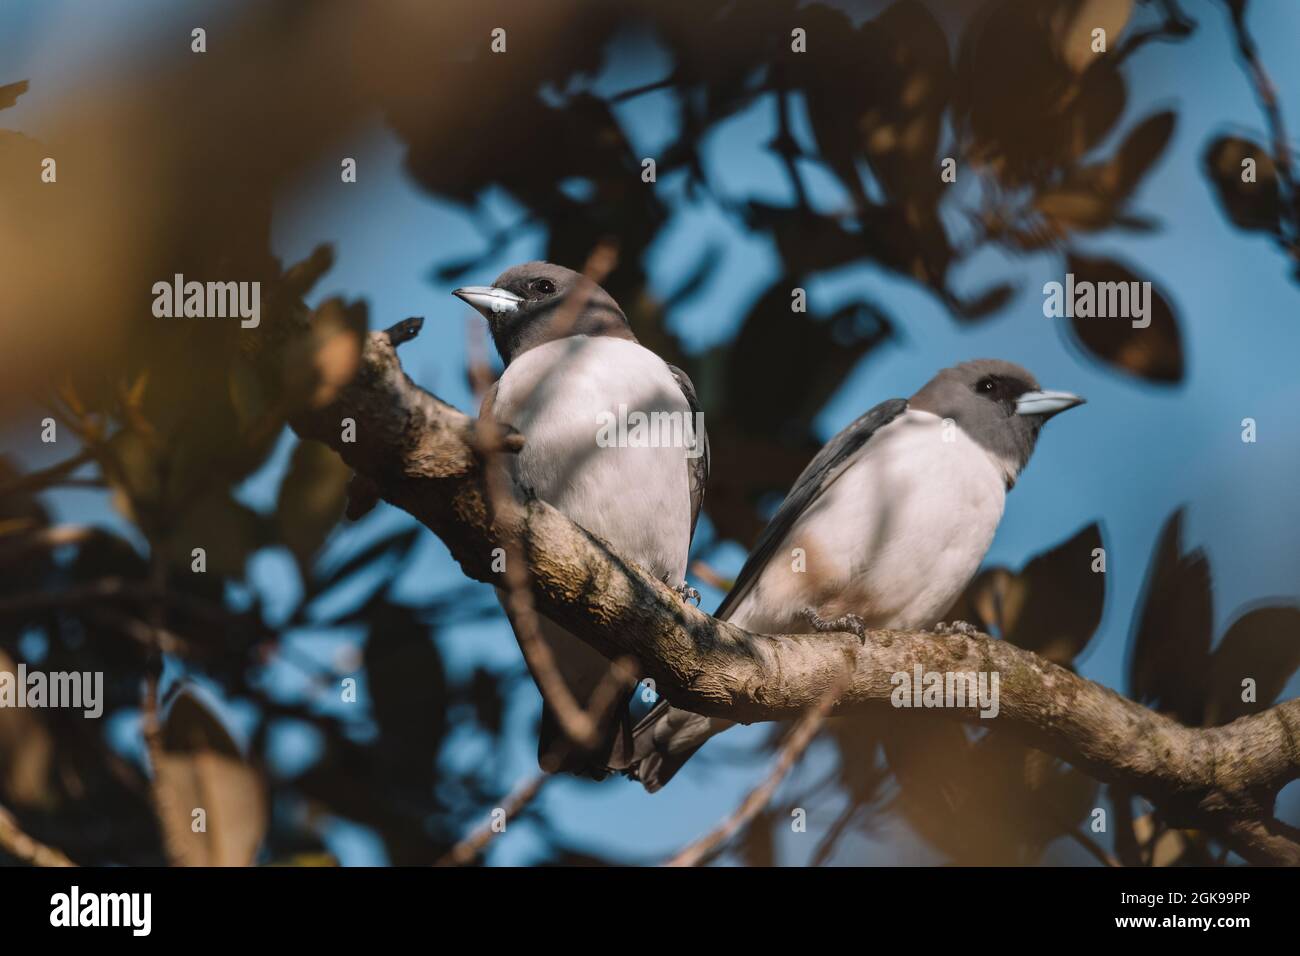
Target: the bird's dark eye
pixel 544 286
pixel 986 386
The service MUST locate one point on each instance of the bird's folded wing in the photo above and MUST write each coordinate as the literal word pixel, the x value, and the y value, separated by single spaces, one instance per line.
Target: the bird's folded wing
pixel 697 467
pixel 808 487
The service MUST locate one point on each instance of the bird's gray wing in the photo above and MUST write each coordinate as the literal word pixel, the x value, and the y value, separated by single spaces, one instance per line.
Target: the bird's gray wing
pixel 808 487
pixel 698 467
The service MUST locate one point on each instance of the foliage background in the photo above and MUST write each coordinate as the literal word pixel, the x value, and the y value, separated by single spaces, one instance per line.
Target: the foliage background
pixel 774 170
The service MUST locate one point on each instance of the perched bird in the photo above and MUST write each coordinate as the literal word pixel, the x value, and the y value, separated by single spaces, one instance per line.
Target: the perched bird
pixel 573 367
pixel 884 528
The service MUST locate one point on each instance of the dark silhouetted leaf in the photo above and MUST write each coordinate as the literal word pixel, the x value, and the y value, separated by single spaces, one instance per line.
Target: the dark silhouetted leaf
pixel 1089 199
pixel 311 499
pixel 1263 645
pixel 1253 205
pixel 1169 662
pixel 1154 352
pixel 1142 147
pixel 1052 607
pixel 489 702
pixel 408 690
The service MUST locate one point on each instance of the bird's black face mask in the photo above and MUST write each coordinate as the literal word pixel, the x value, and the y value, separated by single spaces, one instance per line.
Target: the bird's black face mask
pixel 540 302
pixel 997 404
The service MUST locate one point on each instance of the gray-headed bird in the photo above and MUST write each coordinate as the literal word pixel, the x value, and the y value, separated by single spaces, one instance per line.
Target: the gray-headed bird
pixel 884 528
pixel 613 438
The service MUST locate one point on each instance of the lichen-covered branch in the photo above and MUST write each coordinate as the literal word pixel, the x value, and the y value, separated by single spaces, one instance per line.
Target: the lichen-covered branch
pixel 424 456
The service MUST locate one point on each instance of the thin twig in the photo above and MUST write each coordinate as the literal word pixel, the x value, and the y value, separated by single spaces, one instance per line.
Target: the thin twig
pixel 107 590
pixel 468 849
pixel 710 576
pixel 18 844
pixel 804 731
pixel 666 83
pixel 21 539
pixel 1092 847
pixel 39 480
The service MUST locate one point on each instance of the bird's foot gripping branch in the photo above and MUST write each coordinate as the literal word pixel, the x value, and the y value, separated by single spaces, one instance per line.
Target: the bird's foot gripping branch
pixel 428 458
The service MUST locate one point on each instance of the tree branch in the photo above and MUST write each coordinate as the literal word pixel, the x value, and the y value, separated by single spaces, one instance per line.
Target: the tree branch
pixel 18 844
pixel 421 454
pixel 468 849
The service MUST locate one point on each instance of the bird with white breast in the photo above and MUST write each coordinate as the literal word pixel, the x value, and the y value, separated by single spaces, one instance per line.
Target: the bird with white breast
pixel 883 529
pixel 571 361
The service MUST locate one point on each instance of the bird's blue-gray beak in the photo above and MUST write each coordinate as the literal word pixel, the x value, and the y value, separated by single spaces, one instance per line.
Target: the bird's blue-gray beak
pixel 489 300
pixel 1046 404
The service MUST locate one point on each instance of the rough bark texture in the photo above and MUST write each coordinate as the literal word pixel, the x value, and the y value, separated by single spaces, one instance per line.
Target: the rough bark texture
pixel 426 457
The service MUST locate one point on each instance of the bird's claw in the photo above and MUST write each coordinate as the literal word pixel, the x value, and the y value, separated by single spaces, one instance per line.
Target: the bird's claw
pixel 688 593
pixel 846 622
pixel 956 627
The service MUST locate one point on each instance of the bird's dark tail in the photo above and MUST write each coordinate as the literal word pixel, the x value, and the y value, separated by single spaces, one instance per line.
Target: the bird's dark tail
pixel 666 738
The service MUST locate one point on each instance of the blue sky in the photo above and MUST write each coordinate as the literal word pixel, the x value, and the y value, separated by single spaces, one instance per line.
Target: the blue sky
pixel 1128 458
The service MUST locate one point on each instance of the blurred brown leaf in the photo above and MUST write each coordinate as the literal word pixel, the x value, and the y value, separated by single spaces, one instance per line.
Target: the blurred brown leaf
pixel 311 500
pixel 1053 607
pixel 981 798
pixel 316 365
pixel 10 92
pixel 201 768
pixel 1075 32
pixel 26 751
pixel 228 532
pixel 1091 197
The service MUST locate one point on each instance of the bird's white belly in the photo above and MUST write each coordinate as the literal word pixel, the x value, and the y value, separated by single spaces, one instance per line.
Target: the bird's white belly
pixel 894 540
pixel 636 497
